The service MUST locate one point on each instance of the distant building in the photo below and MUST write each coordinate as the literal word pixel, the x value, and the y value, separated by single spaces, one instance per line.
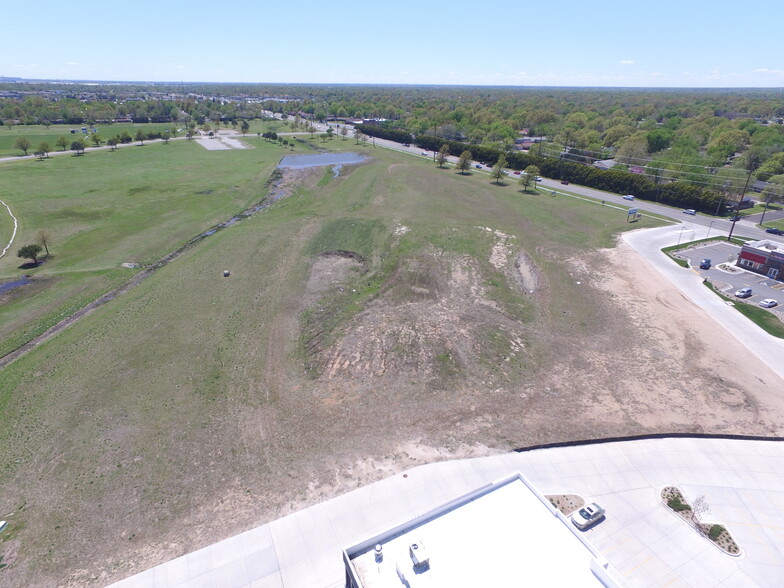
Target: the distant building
pixel 503 534
pixel 764 257
pixel 605 164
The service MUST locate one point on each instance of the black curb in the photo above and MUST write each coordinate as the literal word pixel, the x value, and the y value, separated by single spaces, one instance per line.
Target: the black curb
pixel 646 437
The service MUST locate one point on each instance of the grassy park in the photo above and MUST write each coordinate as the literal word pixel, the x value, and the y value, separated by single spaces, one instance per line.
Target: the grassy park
pixel 394 302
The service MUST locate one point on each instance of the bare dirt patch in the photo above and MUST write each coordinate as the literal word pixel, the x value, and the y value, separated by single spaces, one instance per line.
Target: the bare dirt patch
pixel 426 327
pixel 330 271
pixel 566 503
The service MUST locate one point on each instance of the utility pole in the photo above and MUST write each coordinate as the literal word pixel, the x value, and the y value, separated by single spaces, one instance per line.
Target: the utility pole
pixel 751 169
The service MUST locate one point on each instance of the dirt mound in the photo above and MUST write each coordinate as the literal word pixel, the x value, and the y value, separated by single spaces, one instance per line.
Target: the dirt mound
pixel 432 321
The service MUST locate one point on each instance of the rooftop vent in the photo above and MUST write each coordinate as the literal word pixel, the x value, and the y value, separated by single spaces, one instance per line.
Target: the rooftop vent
pixel 418 554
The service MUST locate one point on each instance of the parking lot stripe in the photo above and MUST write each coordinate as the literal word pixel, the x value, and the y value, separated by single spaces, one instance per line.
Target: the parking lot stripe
pixel 639 565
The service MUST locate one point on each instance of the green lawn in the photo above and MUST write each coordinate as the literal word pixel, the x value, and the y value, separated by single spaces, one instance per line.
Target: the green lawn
pixel 192 388
pixel 104 209
pixel 38 133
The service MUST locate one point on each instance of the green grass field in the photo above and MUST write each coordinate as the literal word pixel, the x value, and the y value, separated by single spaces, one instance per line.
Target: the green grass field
pixel 192 404
pixel 104 209
pixel 39 133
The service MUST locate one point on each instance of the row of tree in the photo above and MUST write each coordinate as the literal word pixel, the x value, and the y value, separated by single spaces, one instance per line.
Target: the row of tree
pixel 621 182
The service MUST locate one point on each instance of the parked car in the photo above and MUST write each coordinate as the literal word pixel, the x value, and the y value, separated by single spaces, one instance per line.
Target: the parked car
pixel 628 197
pixel 565 182
pixel 705 264
pixel 538 179
pixel 587 515
pixel 774 231
pixel 743 293
pixel 424 153
pixel 768 303
pixel 690 211
pixel 477 166
pixel 517 173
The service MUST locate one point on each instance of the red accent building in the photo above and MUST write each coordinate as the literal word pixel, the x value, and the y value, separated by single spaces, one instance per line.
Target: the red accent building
pixel 764 257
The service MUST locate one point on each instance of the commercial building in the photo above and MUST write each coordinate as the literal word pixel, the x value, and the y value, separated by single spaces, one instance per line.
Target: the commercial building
pixel 764 257
pixel 503 534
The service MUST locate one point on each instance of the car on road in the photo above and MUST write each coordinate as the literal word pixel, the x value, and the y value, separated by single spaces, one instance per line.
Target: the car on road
pixel 705 264
pixel 517 172
pixel 774 231
pixel 565 182
pixel 587 515
pixel 424 153
pixel 538 179
pixel 628 197
pixel 477 166
pixel 743 293
pixel 690 211
pixel 768 303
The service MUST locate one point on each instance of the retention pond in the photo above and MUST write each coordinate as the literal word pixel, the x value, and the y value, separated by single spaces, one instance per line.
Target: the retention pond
pixel 315 160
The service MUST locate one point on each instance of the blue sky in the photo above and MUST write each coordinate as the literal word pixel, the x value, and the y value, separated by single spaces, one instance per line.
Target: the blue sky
pixel 686 43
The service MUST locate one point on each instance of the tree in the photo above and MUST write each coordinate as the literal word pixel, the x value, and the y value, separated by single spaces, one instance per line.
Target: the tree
pixel 112 143
pixel 244 127
pixel 78 146
pixel 330 132
pixel 498 169
pixel 464 163
pixel 634 150
pixel 23 143
pixel 62 143
pixel 443 155
pixel 96 139
pixel 343 132
pixel 140 136
pixel 44 238
pixel 44 149
pixel 528 177
pixel 30 251
pixel 166 136
pixel 699 509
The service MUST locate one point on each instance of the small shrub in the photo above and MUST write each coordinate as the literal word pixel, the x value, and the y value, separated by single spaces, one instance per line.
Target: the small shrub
pixel 675 504
pixel 715 531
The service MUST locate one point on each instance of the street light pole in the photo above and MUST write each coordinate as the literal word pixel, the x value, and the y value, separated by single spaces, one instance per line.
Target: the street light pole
pixel 709 228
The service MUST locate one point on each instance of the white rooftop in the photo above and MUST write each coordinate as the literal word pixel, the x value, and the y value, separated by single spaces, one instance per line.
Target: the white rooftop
pixel 503 534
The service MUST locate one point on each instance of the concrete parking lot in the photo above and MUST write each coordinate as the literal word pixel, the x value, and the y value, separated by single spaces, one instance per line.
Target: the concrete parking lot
pixel 646 544
pixel 730 281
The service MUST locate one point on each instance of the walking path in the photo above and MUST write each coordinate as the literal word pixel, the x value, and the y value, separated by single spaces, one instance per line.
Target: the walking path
pixel 13 234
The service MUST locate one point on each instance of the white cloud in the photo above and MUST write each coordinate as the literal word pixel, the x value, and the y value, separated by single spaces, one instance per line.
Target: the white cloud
pixel 72 63
pixel 627 61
